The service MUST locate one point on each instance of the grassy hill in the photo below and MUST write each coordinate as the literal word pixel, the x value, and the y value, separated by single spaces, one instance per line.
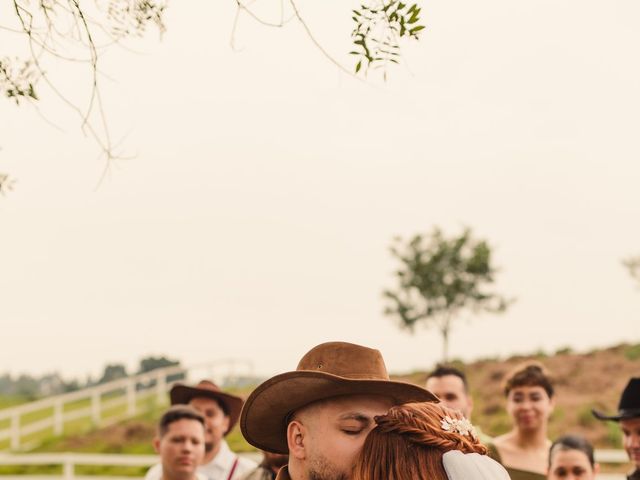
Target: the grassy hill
pixel 583 381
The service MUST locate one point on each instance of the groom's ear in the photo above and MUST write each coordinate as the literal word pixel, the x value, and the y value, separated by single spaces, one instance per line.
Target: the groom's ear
pixel 296 436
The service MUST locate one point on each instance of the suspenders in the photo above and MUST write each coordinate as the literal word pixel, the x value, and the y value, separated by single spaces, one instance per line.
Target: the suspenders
pixel 233 469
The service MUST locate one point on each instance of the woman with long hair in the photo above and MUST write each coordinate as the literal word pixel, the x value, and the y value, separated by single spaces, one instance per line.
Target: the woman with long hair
pixel 524 450
pixel 571 458
pixel 421 441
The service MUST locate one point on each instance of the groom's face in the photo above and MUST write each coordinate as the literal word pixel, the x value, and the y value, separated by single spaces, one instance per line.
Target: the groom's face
pixel 335 431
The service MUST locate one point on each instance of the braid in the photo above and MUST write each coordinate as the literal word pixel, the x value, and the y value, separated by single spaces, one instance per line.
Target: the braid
pixel 409 441
pixel 420 424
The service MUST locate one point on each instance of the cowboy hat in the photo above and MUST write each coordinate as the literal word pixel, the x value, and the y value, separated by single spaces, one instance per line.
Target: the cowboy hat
pixel 629 406
pixel 183 394
pixel 329 370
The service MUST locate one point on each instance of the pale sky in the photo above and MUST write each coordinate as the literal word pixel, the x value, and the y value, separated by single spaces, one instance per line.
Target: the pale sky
pixel 255 218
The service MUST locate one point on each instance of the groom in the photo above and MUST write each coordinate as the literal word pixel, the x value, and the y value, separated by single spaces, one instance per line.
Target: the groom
pixel 321 413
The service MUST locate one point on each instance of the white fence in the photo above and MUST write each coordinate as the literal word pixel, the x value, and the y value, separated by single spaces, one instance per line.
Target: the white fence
pixel 26 425
pixel 69 461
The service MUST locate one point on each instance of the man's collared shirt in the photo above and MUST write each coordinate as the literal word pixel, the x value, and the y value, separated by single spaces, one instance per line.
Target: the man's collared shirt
pixel 635 475
pixel 283 474
pixel 217 469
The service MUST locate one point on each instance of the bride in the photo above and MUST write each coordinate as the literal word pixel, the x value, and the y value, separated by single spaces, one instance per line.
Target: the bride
pixel 420 441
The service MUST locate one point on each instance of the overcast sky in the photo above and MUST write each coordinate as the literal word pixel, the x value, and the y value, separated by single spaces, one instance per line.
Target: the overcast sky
pixel 254 220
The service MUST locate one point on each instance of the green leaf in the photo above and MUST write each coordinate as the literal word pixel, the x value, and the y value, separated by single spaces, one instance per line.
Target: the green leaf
pixel 358 66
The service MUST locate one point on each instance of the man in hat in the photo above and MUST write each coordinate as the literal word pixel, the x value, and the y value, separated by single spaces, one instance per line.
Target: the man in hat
pixel 629 418
pixel 321 413
pixel 221 411
pixel 180 443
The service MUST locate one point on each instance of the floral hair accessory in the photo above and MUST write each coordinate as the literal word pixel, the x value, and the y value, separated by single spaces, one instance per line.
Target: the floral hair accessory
pixel 462 426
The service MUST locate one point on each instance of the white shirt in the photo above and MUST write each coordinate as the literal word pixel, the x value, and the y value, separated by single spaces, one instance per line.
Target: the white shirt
pixel 217 469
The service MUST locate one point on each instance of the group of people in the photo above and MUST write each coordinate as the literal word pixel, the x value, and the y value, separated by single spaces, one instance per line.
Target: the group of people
pixel 338 416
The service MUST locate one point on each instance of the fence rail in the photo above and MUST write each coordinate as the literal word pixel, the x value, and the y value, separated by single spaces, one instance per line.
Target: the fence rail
pixel 25 426
pixel 69 461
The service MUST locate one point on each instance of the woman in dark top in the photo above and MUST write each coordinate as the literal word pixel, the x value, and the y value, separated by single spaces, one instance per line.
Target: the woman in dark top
pixel 524 450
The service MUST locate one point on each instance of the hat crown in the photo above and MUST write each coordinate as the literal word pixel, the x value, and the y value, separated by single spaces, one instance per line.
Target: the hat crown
pixel 208 385
pixel 630 398
pixel 345 360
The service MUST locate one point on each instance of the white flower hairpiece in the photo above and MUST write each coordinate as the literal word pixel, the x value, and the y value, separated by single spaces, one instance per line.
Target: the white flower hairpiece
pixel 462 426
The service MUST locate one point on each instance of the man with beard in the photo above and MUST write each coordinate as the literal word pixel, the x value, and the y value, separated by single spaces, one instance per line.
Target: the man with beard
pixel 221 411
pixel 321 413
pixel 629 418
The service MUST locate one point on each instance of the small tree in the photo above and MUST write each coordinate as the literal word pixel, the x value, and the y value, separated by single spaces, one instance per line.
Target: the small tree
pixel 441 278
pixel 113 371
pixel 633 265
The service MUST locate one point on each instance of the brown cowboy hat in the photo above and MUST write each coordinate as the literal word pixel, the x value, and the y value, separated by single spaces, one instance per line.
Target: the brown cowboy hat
pixel 328 370
pixel 183 394
pixel 629 406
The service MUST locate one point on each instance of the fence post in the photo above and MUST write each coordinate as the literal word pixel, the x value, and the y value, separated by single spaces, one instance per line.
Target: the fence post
pixel 95 407
pixel 15 431
pixel 131 397
pixel 68 470
pixel 161 387
pixel 58 419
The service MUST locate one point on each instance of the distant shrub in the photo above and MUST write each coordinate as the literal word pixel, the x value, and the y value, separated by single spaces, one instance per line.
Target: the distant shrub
pixel 491 409
pixel 564 351
pixel 585 417
pixel 557 415
pixel 499 424
pixel 632 352
pixel 614 436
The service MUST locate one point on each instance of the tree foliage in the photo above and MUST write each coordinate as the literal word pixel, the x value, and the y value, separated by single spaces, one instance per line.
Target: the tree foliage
pixel 441 278
pixel 66 31
pixel 113 372
pixel 378 31
pixel 151 363
pixel 633 266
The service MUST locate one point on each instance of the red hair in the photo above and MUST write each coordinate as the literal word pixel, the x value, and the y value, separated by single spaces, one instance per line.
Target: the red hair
pixel 408 443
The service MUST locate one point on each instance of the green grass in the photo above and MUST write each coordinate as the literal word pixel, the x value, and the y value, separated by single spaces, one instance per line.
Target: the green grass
pixel 7 401
pixel 632 352
pixel 74 427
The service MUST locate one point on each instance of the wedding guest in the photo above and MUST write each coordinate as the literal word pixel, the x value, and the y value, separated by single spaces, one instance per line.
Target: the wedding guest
pixel 524 450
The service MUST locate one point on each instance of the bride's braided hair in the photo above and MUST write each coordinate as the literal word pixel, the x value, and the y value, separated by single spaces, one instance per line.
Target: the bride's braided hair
pixel 421 424
pixel 408 443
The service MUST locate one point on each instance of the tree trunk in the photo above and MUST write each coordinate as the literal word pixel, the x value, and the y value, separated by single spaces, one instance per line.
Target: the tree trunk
pixel 445 342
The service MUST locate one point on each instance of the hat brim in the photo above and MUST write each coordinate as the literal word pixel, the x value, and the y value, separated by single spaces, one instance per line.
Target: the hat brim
pixel 621 415
pixel 183 394
pixel 263 418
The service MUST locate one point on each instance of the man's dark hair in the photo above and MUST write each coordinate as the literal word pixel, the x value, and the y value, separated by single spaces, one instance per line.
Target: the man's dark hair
pixel 529 375
pixel 444 370
pixel 175 413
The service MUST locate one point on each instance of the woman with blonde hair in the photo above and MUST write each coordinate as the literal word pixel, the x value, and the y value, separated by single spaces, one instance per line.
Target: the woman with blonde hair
pixel 421 441
pixel 524 450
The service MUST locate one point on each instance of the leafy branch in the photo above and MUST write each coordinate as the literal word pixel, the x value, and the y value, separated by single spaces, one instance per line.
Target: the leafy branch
pixel 633 265
pixel 18 82
pixel 378 31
